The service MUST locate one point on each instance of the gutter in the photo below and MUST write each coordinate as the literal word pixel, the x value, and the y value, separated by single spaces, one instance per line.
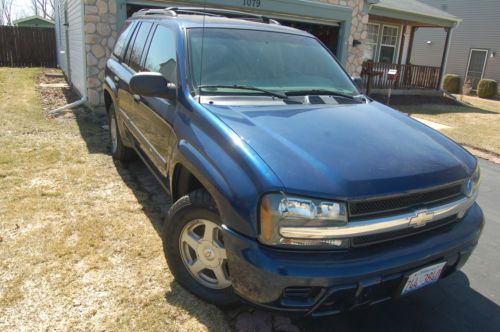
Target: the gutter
pixel 80 102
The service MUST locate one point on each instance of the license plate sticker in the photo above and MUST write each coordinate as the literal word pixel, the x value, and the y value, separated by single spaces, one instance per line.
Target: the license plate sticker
pixel 423 277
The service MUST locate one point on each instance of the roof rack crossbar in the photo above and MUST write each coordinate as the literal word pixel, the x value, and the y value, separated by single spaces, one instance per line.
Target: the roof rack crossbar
pixel 174 11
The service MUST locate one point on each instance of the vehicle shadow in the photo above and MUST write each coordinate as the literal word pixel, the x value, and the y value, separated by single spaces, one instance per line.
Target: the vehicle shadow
pixel 450 305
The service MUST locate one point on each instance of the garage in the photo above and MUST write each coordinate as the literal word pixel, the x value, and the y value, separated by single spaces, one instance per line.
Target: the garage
pixel 325 21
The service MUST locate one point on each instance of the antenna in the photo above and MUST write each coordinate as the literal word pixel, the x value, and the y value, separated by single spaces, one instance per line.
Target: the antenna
pixel 202 47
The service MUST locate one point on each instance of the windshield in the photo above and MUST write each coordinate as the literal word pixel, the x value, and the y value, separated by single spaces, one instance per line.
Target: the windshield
pixel 272 61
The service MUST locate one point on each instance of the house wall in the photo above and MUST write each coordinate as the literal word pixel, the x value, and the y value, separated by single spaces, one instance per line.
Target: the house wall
pixel 103 19
pixel 479 29
pixel 69 42
pixel 75 38
pixel 426 54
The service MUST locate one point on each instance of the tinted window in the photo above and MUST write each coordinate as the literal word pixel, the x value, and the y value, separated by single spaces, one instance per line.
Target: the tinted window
pixel 139 44
pixel 161 56
pixel 121 43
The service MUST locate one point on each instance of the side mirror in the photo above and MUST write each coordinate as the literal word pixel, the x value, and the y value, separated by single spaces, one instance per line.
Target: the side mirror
pixel 358 81
pixel 152 85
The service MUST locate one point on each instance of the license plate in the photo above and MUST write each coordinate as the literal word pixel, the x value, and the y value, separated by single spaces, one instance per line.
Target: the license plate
pixel 423 277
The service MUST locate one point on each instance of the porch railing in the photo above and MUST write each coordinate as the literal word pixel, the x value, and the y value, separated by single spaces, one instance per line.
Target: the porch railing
pixel 408 76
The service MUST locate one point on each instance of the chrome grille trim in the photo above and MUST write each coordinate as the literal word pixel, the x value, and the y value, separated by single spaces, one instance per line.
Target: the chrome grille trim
pixel 384 224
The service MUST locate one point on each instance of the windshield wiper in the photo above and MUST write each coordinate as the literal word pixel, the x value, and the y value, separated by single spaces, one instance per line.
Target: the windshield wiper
pixel 245 87
pixel 322 92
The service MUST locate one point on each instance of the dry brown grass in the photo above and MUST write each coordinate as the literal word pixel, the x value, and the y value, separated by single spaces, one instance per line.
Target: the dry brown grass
pixel 477 125
pixel 78 249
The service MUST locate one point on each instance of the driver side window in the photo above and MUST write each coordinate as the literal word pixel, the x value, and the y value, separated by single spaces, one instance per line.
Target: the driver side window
pixel 161 57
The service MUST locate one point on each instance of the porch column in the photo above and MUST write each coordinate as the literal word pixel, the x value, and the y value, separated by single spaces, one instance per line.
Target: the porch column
pixel 444 60
pixel 406 44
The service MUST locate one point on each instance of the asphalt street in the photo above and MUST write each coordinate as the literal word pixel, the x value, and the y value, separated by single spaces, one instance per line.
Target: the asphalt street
pixel 466 301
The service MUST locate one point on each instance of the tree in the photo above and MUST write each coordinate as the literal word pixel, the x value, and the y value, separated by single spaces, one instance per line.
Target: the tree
pixel 43 8
pixel 6 12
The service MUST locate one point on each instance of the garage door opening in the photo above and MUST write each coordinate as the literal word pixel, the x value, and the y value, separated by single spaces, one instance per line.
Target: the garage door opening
pixel 328 34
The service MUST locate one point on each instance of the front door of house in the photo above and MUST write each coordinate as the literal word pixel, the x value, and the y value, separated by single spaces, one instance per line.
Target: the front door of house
pixel 475 67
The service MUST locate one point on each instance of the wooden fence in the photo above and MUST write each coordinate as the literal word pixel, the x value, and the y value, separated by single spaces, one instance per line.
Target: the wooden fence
pixel 408 76
pixel 27 47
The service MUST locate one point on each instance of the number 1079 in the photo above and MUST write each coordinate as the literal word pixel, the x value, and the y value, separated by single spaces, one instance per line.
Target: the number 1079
pixel 251 3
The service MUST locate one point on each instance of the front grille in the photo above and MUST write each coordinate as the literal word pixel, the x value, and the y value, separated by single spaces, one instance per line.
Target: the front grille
pixel 361 241
pixel 403 202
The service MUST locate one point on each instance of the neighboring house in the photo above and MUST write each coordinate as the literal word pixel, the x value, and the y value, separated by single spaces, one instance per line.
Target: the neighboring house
pixel 355 30
pixel 475 43
pixel 34 22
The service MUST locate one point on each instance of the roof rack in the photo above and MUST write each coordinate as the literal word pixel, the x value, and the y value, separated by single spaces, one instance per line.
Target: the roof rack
pixel 216 12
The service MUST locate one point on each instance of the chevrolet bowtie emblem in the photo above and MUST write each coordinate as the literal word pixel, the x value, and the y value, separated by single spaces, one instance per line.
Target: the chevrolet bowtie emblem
pixel 421 218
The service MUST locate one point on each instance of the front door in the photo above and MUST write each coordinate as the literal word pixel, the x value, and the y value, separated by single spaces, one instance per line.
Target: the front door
pixel 153 116
pixel 475 67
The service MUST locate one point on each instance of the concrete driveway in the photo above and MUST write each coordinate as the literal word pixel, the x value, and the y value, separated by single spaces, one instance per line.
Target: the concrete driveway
pixel 466 301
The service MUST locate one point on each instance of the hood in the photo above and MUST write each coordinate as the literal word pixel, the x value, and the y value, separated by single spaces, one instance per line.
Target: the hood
pixel 347 151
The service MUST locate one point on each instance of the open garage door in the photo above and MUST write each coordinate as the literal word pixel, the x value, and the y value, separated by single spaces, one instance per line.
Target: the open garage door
pixel 327 33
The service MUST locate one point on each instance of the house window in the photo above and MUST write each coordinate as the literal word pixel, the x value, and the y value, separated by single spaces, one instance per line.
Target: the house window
pixel 381 44
pixel 372 41
pixel 388 44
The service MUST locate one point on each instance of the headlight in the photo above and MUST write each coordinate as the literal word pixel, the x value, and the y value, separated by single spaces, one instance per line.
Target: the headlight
pixel 472 185
pixel 280 210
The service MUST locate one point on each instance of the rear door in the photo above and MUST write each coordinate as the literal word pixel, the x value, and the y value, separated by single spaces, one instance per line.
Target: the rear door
pixel 154 116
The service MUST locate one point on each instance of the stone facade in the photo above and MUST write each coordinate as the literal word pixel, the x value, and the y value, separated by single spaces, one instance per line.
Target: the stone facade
pixel 100 28
pixel 100 36
pixel 355 54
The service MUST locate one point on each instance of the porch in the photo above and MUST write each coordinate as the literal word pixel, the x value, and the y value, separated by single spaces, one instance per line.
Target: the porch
pixel 391 31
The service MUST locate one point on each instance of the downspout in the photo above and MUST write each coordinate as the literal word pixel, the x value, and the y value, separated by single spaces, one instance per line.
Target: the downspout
pixel 68 106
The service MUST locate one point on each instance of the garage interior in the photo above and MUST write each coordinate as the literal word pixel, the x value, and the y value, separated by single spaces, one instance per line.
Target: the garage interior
pixel 328 34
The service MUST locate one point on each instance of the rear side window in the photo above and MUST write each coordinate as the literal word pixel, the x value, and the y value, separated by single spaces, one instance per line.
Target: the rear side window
pixel 139 45
pixel 161 57
pixel 121 43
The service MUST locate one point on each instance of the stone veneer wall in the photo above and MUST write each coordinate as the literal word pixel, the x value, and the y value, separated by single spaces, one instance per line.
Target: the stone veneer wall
pixel 355 55
pixel 100 36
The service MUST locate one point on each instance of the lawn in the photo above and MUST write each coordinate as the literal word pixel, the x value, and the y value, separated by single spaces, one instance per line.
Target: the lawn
pixel 477 125
pixel 79 246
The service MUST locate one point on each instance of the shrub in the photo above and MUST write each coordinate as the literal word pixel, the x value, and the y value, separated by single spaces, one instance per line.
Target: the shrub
pixel 451 83
pixel 487 88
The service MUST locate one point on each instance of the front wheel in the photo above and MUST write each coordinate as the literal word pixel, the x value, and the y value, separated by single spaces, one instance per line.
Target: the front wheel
pixel 118 150
pixel 194 247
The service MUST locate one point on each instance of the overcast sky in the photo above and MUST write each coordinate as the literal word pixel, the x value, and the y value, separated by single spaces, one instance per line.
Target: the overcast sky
pixel 21 8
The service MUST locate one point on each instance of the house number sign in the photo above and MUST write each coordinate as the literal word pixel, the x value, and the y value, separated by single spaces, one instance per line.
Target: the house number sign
pixel 252 3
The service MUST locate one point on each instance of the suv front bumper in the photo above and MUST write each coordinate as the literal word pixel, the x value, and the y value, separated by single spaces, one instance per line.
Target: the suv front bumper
pixel 323 283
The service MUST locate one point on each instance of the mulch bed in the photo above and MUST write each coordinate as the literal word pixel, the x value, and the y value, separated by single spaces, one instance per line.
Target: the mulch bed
pixel 52 98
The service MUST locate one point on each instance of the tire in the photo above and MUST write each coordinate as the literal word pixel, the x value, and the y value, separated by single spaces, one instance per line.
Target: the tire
pixel 188 218
pixel 118 150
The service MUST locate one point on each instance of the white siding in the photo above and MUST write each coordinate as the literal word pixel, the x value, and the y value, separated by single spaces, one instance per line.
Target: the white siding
pixel 428 54
pixel 479 29
pixel 60 35
pixel 77 58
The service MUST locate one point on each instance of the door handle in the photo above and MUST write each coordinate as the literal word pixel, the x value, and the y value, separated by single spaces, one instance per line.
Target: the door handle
pixel 116 79
pixel 137 98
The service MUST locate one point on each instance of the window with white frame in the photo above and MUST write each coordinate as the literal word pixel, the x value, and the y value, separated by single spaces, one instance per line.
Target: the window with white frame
pixel 371 41
pixel 388 44
pixel 381 44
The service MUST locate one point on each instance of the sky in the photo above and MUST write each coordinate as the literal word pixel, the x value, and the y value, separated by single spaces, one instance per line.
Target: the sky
pixel 21 8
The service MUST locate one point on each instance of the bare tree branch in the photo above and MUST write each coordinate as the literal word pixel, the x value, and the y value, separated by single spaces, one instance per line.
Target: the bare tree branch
pixel 5 12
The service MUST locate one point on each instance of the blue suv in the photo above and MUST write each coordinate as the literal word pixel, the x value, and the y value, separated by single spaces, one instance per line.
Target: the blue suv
pixel 291 189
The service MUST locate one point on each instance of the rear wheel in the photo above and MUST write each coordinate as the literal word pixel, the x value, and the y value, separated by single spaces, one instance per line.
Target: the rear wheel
pixel 194 247
pixel 118 150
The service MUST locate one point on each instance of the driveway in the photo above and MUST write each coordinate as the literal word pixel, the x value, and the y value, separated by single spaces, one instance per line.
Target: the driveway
pixel 466 301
